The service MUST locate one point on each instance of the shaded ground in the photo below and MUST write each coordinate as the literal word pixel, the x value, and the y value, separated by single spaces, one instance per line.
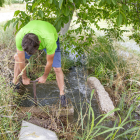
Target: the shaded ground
pixel 12 8
pixel 7 12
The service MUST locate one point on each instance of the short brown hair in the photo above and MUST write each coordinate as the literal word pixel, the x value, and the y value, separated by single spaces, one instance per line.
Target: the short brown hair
pixel 30 43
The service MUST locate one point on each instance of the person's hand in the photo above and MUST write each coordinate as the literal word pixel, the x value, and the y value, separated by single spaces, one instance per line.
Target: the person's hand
pixel 26 81
pixel 42 79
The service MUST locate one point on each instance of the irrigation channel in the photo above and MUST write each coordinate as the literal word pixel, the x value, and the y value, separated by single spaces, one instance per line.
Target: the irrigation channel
pixel 76 90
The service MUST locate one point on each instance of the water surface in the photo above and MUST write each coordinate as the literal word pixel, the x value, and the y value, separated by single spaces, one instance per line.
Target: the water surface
pixel 76 89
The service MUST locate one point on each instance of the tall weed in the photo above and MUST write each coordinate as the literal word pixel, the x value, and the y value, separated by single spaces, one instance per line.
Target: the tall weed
pixel 7 39
pixel 9 124
pixel 103 58
pixel 123 128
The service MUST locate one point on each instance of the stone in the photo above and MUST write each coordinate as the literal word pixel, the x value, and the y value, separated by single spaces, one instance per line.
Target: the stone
pixel 30 131
pixel 102 97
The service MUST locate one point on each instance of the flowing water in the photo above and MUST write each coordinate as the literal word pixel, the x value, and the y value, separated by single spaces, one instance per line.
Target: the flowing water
pixel 76 90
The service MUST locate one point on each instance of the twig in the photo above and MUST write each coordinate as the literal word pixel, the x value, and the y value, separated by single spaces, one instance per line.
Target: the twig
pixel 3 116
pixel 134 81
pixel 8 132
pixel 7 106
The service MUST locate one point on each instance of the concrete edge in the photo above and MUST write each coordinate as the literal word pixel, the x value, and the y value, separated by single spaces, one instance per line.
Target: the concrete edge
pixel 102 97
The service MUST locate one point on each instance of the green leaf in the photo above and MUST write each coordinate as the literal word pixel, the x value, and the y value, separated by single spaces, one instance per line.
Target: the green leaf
pixel 7 24
pixel 29 8
pixel 17 26
pixel 60 3
pixel 84 15
pixel 23 14
pixel 34 5
pixel 106 115
pixel 109 1
pixel 50 1
pixel 84 1
pixel 128 131
pixel 58 25
pixel 114 2
pixel 119 19
pixel 16 12
pixel 101 3
pixel 66 11
pixel 71 1
pixel 15 22
pixel 108 130
pixel 124 16
pixel 114 13
pixel 41 13
pixel 125 7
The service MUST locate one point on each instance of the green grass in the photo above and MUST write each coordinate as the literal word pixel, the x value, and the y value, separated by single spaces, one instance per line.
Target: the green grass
pixel 118 131
pixel 7 39
pixel 104 60
pixel 9 126
pixel 9 2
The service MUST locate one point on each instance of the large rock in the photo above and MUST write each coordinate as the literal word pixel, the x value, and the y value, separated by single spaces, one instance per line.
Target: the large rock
pixel 33 132
pixel 102 97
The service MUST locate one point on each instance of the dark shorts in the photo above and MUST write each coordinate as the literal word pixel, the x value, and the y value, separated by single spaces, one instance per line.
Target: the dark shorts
pixel 57 56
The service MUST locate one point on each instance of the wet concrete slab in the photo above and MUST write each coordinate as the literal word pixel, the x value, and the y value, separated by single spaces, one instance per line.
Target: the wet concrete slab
pixel 54 109
pixel 30 131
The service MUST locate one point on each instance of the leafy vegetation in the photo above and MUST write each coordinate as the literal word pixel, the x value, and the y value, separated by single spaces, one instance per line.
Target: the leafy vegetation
pixel 115 12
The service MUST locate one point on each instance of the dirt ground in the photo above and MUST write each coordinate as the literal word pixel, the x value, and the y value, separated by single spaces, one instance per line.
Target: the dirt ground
pixel 7 12
pixel 12 8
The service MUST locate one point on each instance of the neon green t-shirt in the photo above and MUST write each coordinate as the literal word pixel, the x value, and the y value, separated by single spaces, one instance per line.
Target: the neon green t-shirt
pixel 45 31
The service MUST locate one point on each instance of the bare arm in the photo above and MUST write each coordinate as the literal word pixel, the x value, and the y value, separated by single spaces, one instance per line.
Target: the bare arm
pixel 21 61
pixel 48 67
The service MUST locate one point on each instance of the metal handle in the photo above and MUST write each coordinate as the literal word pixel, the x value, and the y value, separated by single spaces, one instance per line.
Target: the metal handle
pixel 34 89
pixel 34 81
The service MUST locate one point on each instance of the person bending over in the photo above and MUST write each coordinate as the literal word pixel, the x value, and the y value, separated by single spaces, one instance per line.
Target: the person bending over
pixel 39 35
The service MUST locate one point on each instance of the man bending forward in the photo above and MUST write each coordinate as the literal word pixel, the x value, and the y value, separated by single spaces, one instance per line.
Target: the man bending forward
pixel 39 35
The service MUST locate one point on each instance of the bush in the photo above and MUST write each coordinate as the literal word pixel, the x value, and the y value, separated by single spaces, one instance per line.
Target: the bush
pixel 104 60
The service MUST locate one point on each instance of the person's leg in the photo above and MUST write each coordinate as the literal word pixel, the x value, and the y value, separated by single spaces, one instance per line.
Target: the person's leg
pixel 60 82
pixel 59 74
pixel 60 79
